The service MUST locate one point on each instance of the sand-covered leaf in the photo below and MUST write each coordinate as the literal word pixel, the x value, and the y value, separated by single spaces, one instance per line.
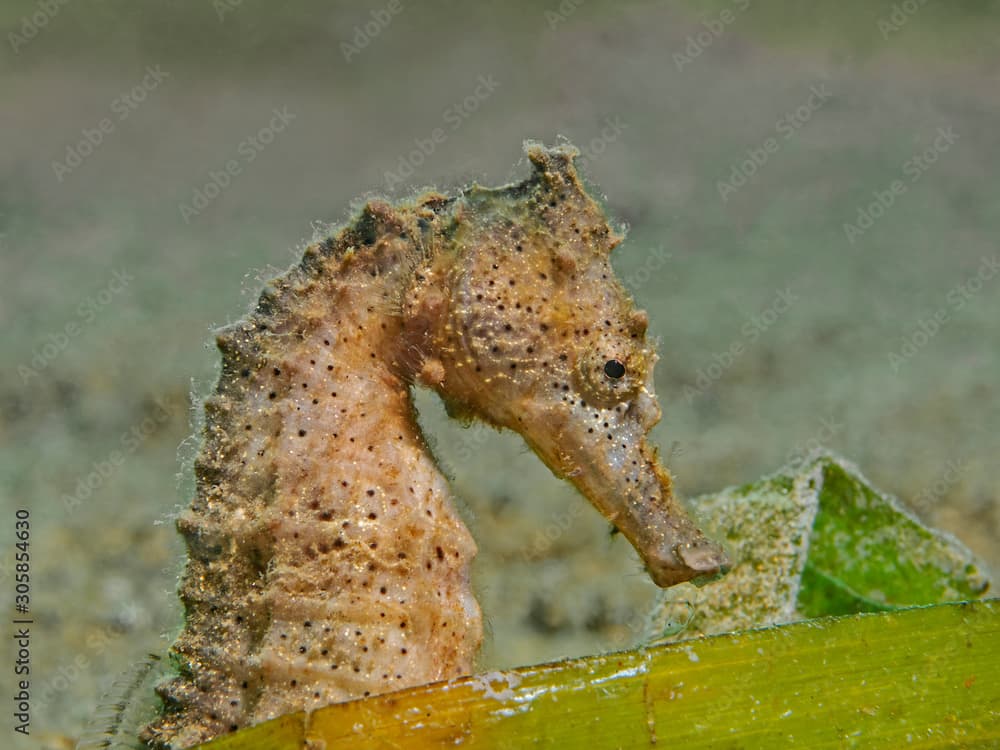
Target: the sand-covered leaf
pixel 816 540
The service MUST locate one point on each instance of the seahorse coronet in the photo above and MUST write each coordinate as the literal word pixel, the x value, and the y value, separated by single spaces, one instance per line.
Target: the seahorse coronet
pixel 326 561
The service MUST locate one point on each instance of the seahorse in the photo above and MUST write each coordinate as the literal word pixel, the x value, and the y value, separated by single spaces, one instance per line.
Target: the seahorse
pixel 326 560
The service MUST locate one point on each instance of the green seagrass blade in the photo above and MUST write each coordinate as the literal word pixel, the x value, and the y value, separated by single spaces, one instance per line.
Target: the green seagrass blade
pixel 922 677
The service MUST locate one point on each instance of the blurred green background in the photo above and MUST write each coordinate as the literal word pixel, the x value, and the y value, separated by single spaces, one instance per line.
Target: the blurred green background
pixel 750 147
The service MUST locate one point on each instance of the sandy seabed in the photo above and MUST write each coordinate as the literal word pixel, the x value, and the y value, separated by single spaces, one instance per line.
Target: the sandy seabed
pixel 812 228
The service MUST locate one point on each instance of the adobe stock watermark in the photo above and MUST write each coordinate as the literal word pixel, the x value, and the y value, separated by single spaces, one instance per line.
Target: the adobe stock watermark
pixel 751 330
pixel 32 25
pixel 380 19
pixel 454 116
pixel 563 11
pixel 611 130
pixel 224 7
pixel 912 170
pixel 654 262
pixel 786 126
pixel 247 152
pixel 128 443
pixel 929 326
pixel 898 17
pixel 55 343
pixel 829 428
pixel 697 43
pixel 932 494
pixel 121 107
pixel 475 438
pixel 70 671
pixel 545 537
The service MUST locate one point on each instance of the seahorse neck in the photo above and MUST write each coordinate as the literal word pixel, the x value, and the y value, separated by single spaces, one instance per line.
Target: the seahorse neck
pixel 327 561
pixel 366 539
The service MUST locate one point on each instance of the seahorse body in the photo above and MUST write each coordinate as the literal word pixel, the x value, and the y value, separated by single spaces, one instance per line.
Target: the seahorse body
pixel 326 561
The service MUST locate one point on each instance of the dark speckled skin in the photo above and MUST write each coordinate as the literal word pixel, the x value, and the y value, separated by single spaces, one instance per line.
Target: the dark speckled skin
pixel 326 561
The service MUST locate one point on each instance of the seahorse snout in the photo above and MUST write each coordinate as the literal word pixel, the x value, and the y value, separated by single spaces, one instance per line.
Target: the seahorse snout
pixel 642 505
pixel 697 559
pixel 606 455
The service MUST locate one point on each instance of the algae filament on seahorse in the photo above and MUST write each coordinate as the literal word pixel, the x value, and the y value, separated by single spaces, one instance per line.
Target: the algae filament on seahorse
pixel 326 561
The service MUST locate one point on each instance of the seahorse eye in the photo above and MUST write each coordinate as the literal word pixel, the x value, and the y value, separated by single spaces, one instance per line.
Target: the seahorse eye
pixel 614 369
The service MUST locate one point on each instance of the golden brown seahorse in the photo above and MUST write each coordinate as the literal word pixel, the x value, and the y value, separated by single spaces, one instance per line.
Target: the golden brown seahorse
pixel 326 561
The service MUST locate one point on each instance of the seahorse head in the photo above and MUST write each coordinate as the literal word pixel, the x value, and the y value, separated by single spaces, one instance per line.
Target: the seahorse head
pixel 535 333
